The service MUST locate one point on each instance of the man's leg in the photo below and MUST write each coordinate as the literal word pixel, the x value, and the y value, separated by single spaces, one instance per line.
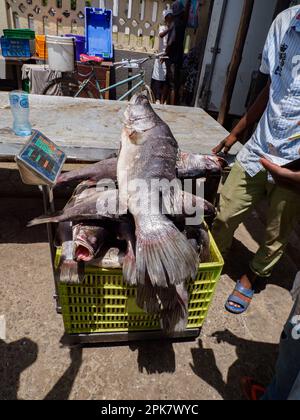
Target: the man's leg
pixel 286 384
pixel 283 215
pixel 295 393
pixel 238 195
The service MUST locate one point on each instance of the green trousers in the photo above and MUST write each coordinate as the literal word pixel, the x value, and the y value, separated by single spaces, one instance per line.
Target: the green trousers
pixel 239 195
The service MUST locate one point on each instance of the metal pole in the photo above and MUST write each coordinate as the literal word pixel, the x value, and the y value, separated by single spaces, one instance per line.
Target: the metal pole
pixel 131 90
pixel 48 200
pixel 129 83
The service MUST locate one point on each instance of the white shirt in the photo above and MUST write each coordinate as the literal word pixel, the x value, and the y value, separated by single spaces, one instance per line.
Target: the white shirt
pixel 160 69
pixel 281 61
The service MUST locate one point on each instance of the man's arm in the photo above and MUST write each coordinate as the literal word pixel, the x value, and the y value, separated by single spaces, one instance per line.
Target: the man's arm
pixel 164 33
pixel 171 39
pixel 253 115
pixel 282 176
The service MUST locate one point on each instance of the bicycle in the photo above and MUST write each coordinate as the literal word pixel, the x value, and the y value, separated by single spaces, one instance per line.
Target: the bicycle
pixel 71 86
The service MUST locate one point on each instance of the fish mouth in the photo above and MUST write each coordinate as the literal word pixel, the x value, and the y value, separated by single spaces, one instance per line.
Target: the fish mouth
pixel 139 99
pixel 83 254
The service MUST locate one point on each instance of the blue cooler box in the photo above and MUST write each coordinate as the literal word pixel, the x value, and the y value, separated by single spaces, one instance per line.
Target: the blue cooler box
pixel 98 32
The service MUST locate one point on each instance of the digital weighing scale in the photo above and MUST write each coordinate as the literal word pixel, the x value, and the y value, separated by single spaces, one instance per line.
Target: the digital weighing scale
pixel 40 161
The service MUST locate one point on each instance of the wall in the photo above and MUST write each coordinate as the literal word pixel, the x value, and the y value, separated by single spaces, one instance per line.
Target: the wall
pixel 3 16
pixel 259 26
pixel 135 22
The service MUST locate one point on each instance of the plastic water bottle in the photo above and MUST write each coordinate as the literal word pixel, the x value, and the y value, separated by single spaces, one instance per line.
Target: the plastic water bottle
pixel 19 104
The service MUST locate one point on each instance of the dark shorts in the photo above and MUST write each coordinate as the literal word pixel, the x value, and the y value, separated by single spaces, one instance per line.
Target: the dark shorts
pixel 157 87
pixel 173 75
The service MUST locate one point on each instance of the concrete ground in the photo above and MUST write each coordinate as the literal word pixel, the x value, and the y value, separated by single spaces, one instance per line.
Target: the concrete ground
pixel 33 364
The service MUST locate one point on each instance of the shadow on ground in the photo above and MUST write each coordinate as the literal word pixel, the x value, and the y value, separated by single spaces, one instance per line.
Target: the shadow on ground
pixel 15 213
pixel 16 357
pixel 152 361
pixel 21 203
pixel 254 359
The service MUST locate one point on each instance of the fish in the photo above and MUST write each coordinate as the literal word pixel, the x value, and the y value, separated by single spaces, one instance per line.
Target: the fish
pixel 88 240
pixel 199 236
pixel 92 205
pixel 106 168
pixel 112 259
pixel 188 166
pixel 193 166
pixel 69 271
pixel 149 151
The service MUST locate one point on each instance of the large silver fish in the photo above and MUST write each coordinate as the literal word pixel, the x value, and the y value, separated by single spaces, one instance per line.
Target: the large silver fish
pixel 188 166
pixel 89 204
pixel 149 151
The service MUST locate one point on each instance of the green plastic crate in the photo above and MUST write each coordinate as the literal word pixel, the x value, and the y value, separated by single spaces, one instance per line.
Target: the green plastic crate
pixel 104 303
pixel 19 33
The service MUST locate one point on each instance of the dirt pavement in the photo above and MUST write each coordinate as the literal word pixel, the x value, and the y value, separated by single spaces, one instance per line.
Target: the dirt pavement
pixel 33 364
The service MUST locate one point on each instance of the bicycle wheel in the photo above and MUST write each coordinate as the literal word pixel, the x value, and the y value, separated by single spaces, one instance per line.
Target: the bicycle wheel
pixel 68 86
pixel 90 90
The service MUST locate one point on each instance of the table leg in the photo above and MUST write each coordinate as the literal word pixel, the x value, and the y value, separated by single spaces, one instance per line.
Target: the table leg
pixel 19 77
pixel 129 83
pixel 107 82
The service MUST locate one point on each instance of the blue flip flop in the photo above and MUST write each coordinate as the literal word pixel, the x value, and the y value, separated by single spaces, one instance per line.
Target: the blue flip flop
pixel 238 301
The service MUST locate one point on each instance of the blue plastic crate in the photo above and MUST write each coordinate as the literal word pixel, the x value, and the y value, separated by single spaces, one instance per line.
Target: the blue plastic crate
pixel 98 32
pixel 17 47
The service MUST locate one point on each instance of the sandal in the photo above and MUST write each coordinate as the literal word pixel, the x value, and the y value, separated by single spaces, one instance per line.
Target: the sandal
pixel 244 305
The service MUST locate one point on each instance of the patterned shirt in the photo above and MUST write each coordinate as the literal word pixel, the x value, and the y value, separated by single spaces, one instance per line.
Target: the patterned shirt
pixel 277 133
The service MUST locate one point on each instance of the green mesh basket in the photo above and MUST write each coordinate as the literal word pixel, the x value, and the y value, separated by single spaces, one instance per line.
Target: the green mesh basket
pixel 104 303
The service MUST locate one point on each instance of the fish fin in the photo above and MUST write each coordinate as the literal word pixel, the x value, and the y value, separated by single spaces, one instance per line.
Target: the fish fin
pixel 129 267
pixel 55 218
pixel 147 299
pixel 70 273
pixel 163 252
pixel 170 304
pixel 205 246
pixel 174 304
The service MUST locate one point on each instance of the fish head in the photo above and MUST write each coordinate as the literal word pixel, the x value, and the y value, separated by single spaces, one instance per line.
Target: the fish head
pixel 139 116
pixel 86 239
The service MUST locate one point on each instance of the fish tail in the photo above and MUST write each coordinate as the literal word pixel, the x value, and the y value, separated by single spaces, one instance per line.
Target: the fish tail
pixel 164 252
pixel 56 218
pixel 170 304
pixel 69 272
pixel 147 298
pixel 129 267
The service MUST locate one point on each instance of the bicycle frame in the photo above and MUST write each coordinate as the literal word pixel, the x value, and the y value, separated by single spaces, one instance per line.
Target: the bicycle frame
pixel 140 75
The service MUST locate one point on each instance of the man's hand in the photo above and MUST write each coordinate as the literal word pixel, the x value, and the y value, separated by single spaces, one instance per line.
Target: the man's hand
pixel 282 176
pixel 226 144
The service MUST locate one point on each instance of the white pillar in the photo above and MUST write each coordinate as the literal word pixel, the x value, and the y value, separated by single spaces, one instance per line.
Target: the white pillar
pixel 3 17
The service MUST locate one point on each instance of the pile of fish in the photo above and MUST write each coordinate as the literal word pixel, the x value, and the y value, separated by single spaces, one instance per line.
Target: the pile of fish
pixel 157 251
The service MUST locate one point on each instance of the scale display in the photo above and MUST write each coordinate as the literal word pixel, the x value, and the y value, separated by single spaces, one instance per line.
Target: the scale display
pixel 42 158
